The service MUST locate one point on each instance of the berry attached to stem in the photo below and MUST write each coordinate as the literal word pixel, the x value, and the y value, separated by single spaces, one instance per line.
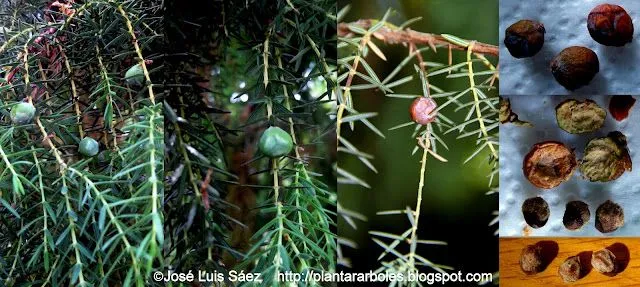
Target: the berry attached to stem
pixel 88 147
pixel 275 142
pixel 423 110
pixel 22 113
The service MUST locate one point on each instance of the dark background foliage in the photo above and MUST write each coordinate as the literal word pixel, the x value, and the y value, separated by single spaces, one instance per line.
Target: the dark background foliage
pixel 219 187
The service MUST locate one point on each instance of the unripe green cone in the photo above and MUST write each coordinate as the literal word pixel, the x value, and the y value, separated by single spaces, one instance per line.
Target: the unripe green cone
pixel 275 142
pixel 88 147
pixel 135 75
pixel 22 113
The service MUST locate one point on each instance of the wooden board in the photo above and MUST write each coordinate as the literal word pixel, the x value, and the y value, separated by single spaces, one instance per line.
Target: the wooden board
pixel 512 275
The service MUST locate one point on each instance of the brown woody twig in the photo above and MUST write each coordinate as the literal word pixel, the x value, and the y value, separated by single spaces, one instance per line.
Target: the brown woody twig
pixel 408 36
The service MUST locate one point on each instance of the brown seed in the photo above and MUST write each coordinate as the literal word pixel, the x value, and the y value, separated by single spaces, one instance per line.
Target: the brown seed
pixel 575 67
pixel 604 261
pixel 620 106
pixel 535 211
pixel 548 164
pixel 524 38
pixel 578 117
pixel 606 158
pixel 610 25
pixel 576 215
pixel 570 270
pixel 422 110
pixel 531 260
pixel 609 217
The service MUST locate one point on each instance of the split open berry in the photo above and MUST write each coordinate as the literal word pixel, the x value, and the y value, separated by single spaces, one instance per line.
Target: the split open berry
pixel 549 164
pixel 88 147
pixel 575 67
pixel 275 142
pixel 423 110
pixel 135 75
pixel 524 38
pixel 578 117
pixel 606 158
pixel 610 25
pixel 22 113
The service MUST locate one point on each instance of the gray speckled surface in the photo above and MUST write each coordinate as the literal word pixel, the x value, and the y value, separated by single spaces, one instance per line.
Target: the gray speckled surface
pixel 515 143
pixel 566 25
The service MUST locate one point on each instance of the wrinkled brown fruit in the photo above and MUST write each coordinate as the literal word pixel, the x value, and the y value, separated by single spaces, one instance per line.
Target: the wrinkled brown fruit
pixel 578 117
pixel 575 67
pixel 576 215
pixel 606 158
pixel 531 260
pixel 570 270
pixel 535 212
pixel 620 106
pixel 604 261
pixel 549 164
pixel 610 25
pixel 524 38
pixel 609 217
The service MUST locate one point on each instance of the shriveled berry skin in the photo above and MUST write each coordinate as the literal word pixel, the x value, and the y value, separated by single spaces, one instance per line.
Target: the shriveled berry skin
pixel 610 25
pixel 422 110
pixel 22 113
pixel 536 212
pixel 609 217
pixel 524 38
pixel 575 67
pixel 531 260
pixel 88 147
pixel 549 164
pixel 275 142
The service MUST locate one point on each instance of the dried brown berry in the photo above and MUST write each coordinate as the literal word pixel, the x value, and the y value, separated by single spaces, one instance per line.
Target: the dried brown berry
pixel 604 261
pixel 548 164
pixel 580 117
pixel 620 106
pixel 576 215
pixel 609 217
pixel 535 211
pixel 531 260
pixel 606 158
pixel 570 270
pixel 610 25
pixel 524 38
pixel 575 67
pixel 423 110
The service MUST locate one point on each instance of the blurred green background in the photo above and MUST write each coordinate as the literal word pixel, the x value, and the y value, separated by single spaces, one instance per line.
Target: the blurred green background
pixel 455 206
